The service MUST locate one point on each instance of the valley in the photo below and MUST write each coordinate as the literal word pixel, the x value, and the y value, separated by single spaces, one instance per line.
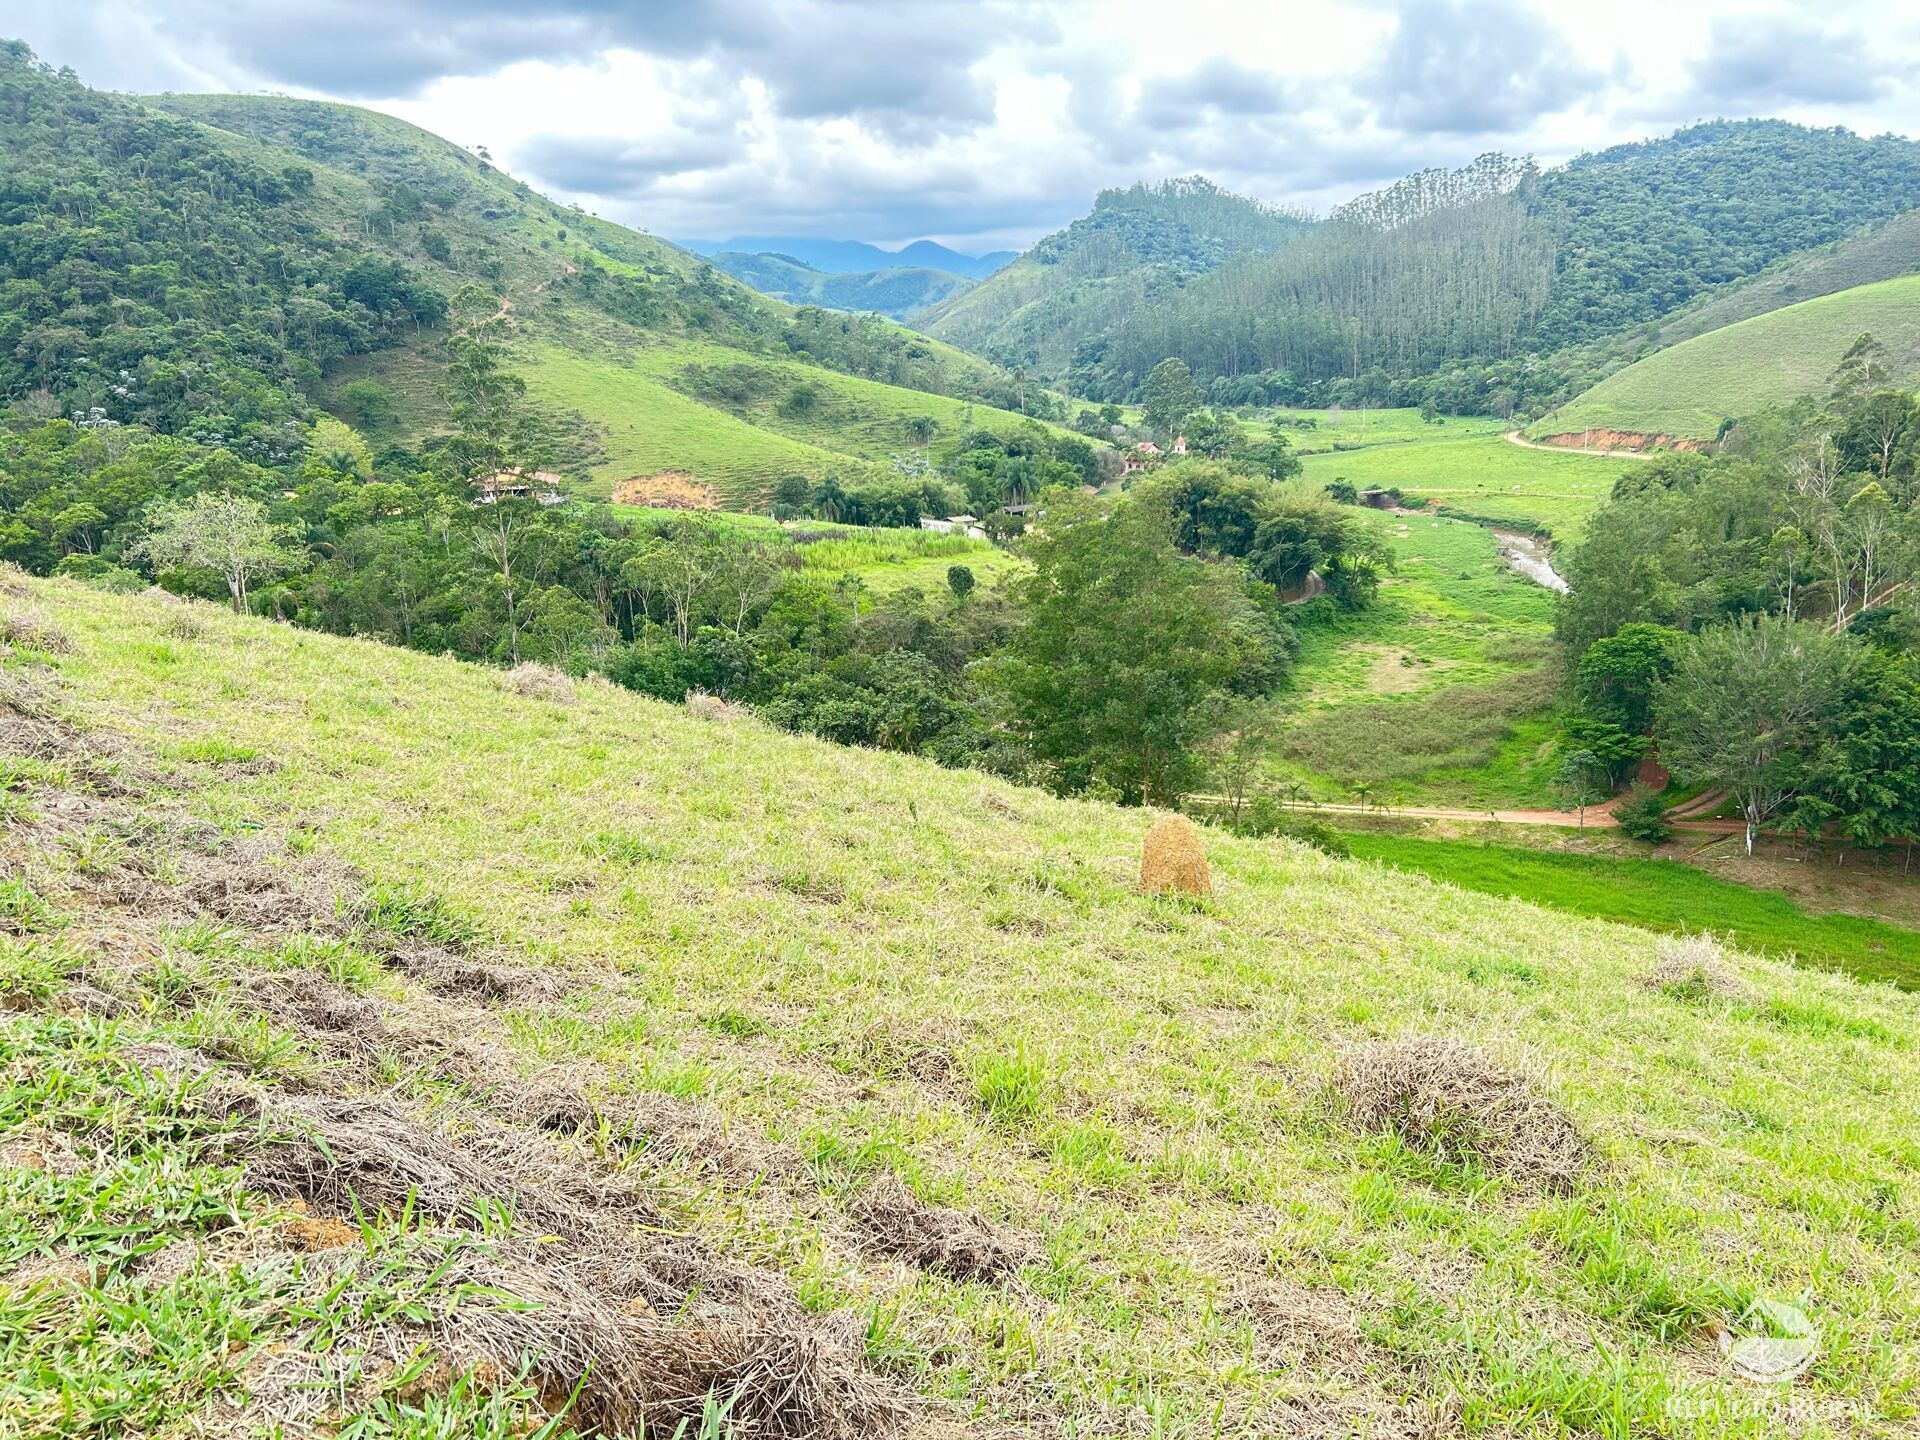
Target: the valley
pixel 1244 819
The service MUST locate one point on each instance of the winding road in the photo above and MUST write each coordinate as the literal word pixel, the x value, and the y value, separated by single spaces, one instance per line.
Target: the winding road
pixel 1514 437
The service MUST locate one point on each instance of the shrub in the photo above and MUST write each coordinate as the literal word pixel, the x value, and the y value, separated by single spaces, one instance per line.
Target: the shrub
pixel 1266 816
pixel 1445 1098
pixel 540 682
pixel 29 630
pixel 1643 814
pixel 1695 967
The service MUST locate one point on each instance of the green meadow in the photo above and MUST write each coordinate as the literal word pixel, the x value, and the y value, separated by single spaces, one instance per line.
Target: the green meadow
pixel 882 559
pixel 1482 477
pixel 1341 430
pixel 1692 388
pixel 1439 693
pixel 1659 895
pixel 739 422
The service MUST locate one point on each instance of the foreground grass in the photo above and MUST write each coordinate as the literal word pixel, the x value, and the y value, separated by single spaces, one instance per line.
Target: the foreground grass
pixel 876 971
pixel 1689 389
pixel 1659 895
pixel 1482 477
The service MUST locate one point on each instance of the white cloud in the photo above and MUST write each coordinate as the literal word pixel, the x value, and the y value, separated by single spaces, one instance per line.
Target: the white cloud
pixel 991 121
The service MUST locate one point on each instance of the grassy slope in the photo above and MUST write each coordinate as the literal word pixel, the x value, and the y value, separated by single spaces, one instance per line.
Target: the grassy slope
pixel 1879 252
pixel 1483 477
pixel 650 424
pixel 1439 692
pixel 1772 359
pixel 877 967
pixel 1661 895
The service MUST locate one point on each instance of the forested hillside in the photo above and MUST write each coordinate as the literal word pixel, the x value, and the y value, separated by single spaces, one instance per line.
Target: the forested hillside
pixel 1464 276
pixel 223 267
pixel 1138 245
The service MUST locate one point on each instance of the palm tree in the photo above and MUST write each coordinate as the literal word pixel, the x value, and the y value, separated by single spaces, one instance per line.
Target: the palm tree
pixel 1365 793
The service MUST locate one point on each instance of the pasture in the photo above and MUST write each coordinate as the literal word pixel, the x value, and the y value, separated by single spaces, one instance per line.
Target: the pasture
pixel 1482 477
pixel 1692 388
pixel 1440 693
pixel 1658 894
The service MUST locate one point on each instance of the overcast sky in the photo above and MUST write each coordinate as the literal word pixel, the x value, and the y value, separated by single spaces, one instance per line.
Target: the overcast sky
pixel 988 123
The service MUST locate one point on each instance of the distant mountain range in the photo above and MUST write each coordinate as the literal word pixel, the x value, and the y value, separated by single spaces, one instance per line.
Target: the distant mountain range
pixel 851 257
pixel 894 292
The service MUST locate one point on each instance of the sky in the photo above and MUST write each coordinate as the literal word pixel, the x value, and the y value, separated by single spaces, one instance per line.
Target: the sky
pixel 986 124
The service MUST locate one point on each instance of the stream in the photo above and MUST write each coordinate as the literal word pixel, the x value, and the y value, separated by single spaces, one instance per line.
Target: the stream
pixel 1530 556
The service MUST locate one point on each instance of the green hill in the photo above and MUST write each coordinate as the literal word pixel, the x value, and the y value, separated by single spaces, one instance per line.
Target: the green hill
pixel 1483 269
pixel 262 254
pixel 1689 390
pixel 1878 252
pixel 1136 245
pixel 896 292
pixel 388 1042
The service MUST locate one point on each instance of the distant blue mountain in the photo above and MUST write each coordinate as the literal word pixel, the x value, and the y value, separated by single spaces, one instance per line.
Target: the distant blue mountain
pixel 852 257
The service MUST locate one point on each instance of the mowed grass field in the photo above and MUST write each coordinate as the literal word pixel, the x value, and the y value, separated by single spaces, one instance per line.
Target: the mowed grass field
pixel 1338 430
pixel 666 408
pixel 643 1037
pixel 1689 389
pixel 1440 692
pixel 1482 477
pixel 1659 895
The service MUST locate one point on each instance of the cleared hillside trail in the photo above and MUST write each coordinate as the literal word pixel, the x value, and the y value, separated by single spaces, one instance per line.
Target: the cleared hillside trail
pixel 1514 437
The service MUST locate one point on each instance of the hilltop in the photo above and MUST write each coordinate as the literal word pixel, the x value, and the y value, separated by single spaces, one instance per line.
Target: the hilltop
pixel 1691 390
pixel 376 1021
pixel 1136 243
pixel 293 255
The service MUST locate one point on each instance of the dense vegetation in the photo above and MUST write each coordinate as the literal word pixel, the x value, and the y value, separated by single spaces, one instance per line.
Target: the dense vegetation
pixel 406 547
pixel 1752 612
pixel 221 266
pixel 1449 285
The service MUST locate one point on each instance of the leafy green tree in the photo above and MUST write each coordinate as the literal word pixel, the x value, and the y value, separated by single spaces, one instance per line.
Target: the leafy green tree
pixel 1643 814
pixel 1581 779
pixel 1213 435
pixel 1168 397
pixel 1621 673
pixel 1747 707
pixel 1602 742
pixel 1272 457
pixel 227 534
pixel 1129 649
pixel 960 581
pixel 1864 774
